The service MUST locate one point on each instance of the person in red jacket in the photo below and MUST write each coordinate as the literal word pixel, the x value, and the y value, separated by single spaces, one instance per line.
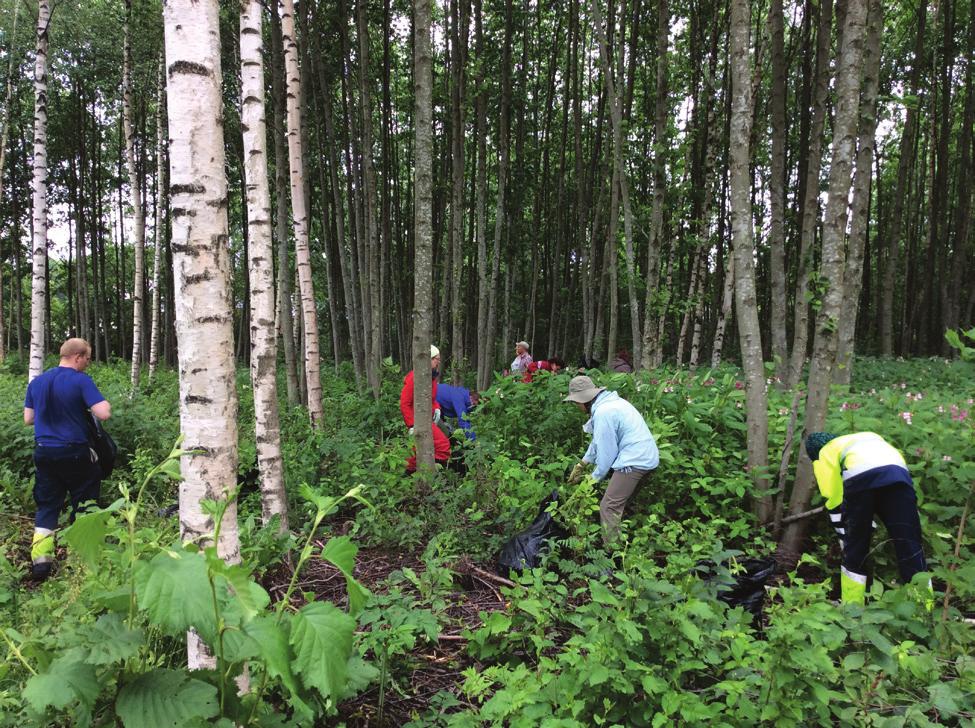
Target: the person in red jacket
pixel 553 365
pixel 441 445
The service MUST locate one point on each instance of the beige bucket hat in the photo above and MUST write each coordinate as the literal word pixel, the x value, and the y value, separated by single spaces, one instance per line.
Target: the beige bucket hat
pixel 582 390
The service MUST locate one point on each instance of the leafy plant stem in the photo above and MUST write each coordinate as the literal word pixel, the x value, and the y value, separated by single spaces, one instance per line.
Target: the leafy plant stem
pixel 16 652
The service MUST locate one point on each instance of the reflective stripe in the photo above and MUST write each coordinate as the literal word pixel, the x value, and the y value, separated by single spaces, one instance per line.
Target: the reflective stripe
pixel 841 531
pixel 836 517
pixel 864 467
pixel 42 559
pixel 858 578
pixel 40 533
pixel 859 441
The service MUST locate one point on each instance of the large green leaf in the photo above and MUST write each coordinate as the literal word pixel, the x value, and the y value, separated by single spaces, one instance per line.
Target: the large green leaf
pixel 340 552
pixel 86 536
pixel 321 635
pixel 174 591
pixel 274 650
pixel 165 698
pixel 66 679
pixel 250 597
pixel 110 640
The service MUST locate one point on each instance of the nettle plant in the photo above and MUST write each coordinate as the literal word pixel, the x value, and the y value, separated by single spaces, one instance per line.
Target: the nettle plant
pixel 270 659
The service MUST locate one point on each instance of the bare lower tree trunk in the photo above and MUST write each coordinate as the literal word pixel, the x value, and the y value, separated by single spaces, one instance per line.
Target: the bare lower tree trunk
pixel 299 212
pixel 285 319
pixel 848 72
pixel 201 263
pixel 423 235
pixel 135 192
pixel 853 276
pixel 777 187
pixel 160 224
pixel 746 299
pixel 726 301
pixel 459 24
pixel 263 338
pixel 810 210
pixel 38 302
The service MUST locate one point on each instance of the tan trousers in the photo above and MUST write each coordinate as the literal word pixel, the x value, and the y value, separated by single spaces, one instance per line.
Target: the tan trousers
pixel 621 488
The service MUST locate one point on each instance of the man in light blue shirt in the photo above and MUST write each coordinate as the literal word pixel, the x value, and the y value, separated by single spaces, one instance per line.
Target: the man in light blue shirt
pixel 621 443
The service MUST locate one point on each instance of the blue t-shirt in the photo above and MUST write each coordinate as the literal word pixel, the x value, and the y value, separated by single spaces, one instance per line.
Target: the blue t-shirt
pixel 455 402
pixel 60 398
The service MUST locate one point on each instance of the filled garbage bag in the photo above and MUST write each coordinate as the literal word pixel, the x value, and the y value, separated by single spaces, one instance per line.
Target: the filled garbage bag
pixel 748 588
pixel 525 550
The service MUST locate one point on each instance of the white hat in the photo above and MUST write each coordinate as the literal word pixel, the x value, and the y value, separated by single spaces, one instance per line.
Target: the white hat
pixel 582 390
pixel 434 352
pixel 524 344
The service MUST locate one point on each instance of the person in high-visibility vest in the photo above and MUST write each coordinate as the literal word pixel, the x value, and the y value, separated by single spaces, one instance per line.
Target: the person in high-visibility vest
pixel 861 475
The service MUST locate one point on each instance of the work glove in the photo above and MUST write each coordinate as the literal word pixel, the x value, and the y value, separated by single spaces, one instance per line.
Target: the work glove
pixel 577 474
pixel 410 432
pixel 436 416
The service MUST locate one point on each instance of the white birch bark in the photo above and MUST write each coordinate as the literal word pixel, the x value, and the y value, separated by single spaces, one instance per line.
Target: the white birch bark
pixel 201 273
pixel 727 297
pixel 135 193
pixel 263 335
pixel 160 224
pixel 299 212
pixel 38 301
pixel 746 298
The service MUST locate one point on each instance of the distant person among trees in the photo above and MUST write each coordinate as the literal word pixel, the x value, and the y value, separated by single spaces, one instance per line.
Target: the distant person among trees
pixel 57 404
pixel 623 362
pixel 553 365
pixel 441 445
pixel 861 475
pixel 455 403
pixel 522 360
pixel 586 363
pixel 621 444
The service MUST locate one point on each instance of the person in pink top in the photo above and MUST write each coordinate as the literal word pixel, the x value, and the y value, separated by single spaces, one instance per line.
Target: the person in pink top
pixel 522 358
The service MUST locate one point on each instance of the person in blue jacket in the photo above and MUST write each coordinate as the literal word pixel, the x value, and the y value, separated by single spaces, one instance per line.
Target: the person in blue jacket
pixel 455 403
pixel 621 444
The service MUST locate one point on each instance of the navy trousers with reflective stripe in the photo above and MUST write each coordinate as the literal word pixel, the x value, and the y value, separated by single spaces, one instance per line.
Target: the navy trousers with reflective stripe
pixel 896 505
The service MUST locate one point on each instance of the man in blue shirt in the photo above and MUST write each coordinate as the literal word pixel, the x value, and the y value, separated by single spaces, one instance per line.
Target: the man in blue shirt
pixel 456 402
pixel 621 443
pixel 57 405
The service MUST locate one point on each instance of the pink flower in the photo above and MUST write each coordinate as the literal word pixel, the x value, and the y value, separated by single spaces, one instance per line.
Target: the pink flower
pixel 739 385
pixel 941 409
pixel 946 458
pixel 903 385
pixel 906 416
pixel 783 411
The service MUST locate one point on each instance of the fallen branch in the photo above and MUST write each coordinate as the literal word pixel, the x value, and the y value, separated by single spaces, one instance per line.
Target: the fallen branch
pixel 485 575
pixel 804 514
pixel 784 463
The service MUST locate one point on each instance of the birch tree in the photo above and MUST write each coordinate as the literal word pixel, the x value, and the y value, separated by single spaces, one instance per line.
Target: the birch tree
pixel 135 194
pixel 299 212
pixel 832 267
pixel 746 299
pixel 38 301
pixel 201 274
pixel 263 335
pixel 160 223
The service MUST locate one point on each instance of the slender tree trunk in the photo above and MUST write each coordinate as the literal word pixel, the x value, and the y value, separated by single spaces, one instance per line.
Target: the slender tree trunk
pixel 459 23
pixel 135 191
pixel 423 234
pixel 848 73
pixel 777 191
pixel 201 262
pixel 285 319
pixel 160 224
pixel 746 300
pixel 263 336
pixel 853 277
pixel 8 95
pixel 484 346
pixel 300 215
pixel 810 209
pixel 652 348
pixel 38 308
pixel 619 162
pixel 726 302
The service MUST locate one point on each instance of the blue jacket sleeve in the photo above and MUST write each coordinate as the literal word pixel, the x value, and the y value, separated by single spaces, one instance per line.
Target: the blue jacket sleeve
pixel 605 446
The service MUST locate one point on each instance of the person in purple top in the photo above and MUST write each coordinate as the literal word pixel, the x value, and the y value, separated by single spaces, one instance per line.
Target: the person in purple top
pixel 456 402
pixel 57 404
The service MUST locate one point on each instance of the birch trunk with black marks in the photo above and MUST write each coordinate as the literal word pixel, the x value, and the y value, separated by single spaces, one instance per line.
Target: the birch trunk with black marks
pixel 263 336
pixel 299 212
pixel 201 276
pixel 135 194
pixel 38 301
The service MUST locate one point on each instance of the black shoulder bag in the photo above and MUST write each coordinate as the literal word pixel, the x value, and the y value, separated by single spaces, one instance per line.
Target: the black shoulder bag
pixel 102 443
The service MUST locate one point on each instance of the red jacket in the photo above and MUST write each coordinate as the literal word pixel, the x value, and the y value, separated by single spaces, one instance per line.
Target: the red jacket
pixel 534 367
pixel 406 400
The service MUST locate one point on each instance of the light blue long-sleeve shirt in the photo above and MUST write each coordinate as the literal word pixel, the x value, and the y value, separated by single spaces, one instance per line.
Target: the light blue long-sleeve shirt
pixel 620 437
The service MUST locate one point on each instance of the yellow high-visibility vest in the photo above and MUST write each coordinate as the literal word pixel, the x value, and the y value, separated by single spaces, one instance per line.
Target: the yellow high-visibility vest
pixel 851 456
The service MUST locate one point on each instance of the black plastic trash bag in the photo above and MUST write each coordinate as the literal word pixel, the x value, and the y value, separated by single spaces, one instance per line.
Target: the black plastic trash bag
pixel 748 588
pixel 525 550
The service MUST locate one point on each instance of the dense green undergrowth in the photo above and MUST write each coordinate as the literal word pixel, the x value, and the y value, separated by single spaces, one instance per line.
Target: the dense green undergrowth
pixel 636 640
